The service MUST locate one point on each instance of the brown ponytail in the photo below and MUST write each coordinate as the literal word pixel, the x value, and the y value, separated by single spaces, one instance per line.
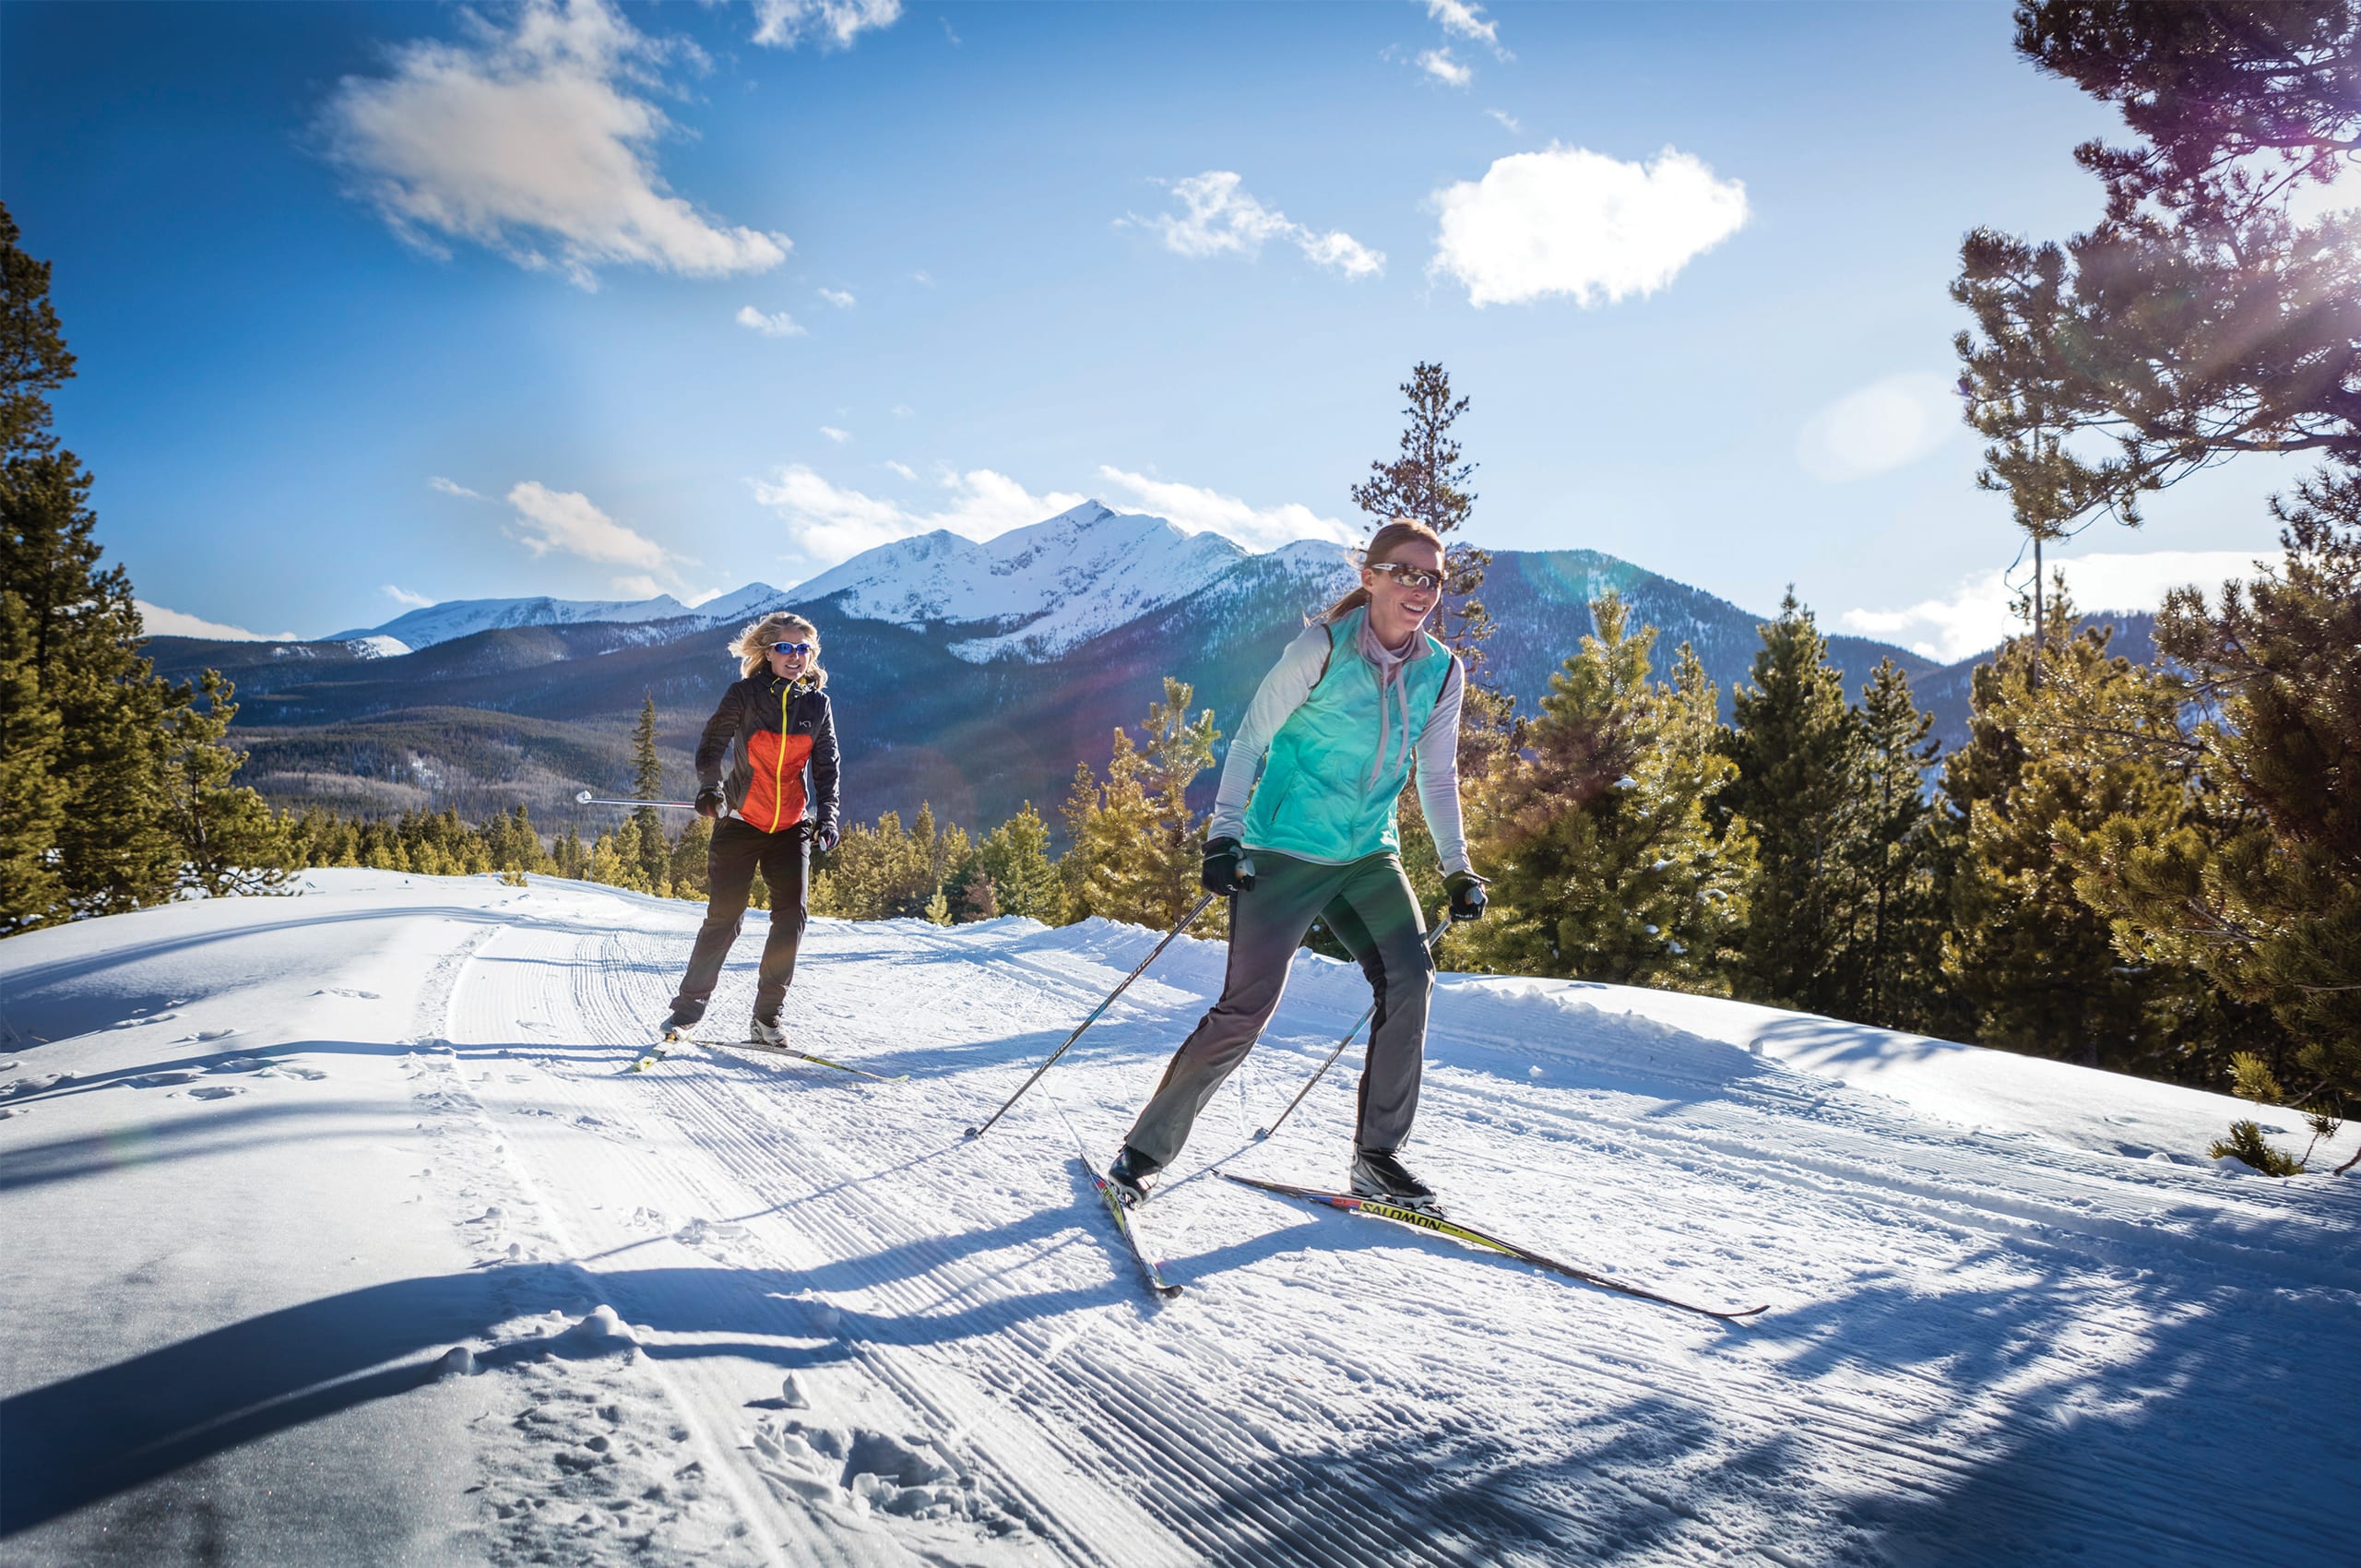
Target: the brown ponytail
pixel 1381 546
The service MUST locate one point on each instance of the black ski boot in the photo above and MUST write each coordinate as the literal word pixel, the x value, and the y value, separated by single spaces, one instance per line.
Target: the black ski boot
pixel 1129 1176
pixel 683 1018
pixel 1377 1175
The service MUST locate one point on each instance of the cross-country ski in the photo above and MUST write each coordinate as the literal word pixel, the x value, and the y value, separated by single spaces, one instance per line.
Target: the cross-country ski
pixel 754 1048
pixel 1441 1224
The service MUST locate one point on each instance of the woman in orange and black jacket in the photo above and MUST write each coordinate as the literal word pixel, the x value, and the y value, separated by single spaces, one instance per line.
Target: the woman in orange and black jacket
pixel 776 803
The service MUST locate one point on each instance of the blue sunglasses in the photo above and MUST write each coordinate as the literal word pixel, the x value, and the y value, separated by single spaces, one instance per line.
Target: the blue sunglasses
pixel 791 648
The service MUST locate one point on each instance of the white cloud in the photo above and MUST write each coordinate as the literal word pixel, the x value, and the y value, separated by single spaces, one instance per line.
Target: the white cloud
pixel 835 23
pixel 839 298
pixel 828 523
pixel 1572 222
pixel 923 278
pixel 1438 64
pixel 1507 121
pixel 903 411
pixel 1878 427
pixel 537 144
pixel 402 596
pixel 1341 251
pixel 638 586
pixel 1459 18
pixel 565 521
pixel 833 433
pixel 1198 510
pixel 781 325
pixel 452 487
pixel 163 622
pixel 904 469
pixel 1221 218
pixel 1979 613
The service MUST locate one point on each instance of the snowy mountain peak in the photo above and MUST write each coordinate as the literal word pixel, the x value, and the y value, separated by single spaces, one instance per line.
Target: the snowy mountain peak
pixel 464 617
pixel 1040 589
pixel 755 598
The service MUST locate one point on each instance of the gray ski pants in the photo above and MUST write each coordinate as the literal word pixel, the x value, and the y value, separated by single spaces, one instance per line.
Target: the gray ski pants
pixel 1266 926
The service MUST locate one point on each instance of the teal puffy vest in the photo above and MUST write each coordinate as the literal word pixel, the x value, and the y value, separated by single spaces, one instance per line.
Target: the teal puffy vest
pixel 1311 800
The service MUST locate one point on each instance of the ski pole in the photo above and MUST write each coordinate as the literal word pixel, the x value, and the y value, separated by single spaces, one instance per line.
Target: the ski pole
pixel 1261 1133
pixel 1186 922
pixel 587 799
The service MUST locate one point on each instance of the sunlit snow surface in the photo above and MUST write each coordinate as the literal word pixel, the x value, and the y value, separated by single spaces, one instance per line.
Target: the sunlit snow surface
pixel 332 1235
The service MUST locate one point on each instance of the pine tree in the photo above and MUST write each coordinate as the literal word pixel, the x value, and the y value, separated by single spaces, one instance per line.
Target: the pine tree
pixel 1796 746
pixel 1117 856
pixel 883 870
pixel 233 842
pixel 614 860
pixel 2201 316
pixel 1429 481
pixel 1606 863
pixel 653 851
pixel 689 875
pixel 34 361
pixel 72 667
pixel 1137 846
pixel 572 860
pixel 2256 879
pixel 970 896
pixel 1896 978
pixel 2036 968
pixel 1015 858
pixel 32 798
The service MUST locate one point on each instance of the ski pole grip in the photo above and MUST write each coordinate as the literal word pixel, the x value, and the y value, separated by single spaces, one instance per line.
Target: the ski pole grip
pixel 1244 874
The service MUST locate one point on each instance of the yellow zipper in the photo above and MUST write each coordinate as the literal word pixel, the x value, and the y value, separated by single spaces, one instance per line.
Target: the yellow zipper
pixel 778 765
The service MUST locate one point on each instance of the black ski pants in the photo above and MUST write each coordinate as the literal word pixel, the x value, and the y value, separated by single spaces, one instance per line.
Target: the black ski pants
pixel 784 858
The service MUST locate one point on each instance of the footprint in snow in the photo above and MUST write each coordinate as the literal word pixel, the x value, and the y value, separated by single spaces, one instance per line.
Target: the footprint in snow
pixel 706 1232
pixel 214 1091
pixel 344 990
pixel 162 1080
pixel 215 1034
pixel 876 1471
pixel 309 1074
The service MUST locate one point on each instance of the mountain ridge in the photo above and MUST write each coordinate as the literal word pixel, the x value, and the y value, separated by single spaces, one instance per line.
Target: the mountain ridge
pixel 974 715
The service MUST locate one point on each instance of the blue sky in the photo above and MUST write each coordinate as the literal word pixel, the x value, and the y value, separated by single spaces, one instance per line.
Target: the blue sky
pixel 381 304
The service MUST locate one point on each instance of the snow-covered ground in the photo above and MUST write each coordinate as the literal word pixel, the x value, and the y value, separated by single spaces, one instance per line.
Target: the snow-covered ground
pixel 332 1235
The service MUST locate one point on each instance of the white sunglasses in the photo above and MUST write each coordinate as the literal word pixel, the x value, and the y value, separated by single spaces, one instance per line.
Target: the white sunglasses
pixel 1412 578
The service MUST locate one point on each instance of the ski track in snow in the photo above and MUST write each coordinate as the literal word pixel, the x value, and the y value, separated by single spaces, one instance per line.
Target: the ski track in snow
pixel 751 1311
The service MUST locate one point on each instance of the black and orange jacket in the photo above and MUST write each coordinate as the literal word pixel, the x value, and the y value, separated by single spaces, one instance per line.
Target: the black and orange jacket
pixel 782 740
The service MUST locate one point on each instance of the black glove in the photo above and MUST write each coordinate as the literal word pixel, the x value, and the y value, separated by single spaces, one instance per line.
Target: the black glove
pixel 1227 869
pixel 1466 890
pixel 712 802
pixel 823 837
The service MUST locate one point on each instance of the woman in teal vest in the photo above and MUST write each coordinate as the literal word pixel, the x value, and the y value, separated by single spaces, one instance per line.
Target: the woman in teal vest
pixel 1303 825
